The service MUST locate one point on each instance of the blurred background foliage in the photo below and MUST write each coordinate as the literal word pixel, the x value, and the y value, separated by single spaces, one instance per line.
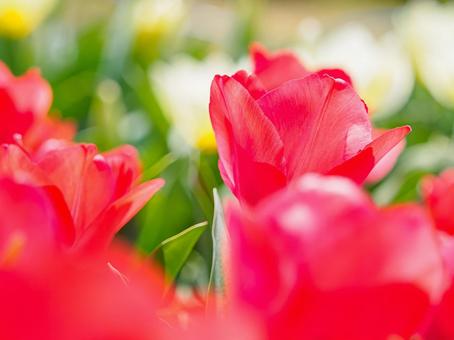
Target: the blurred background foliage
pixel 139 72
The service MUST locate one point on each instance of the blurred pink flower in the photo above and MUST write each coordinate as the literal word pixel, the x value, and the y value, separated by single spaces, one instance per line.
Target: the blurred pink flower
pixel 320 261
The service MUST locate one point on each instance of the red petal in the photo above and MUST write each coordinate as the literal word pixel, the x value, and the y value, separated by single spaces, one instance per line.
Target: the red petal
pixel 84 178
pixel 438 194
pixel 358 167
pixel 17 164
pixel 250 149
pixel 275 69
pixel 30 226
pixel 12 121
pixel 101 232
pixel 322 122
pixel 386 164
pixel 24 100
pixel 337 73
pixel 251 83
pixel 48 129
pixel 125 164
pixel 32 93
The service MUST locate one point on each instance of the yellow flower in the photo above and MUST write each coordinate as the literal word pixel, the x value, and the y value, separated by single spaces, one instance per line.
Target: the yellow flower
pixel 18 18
pixel 427 29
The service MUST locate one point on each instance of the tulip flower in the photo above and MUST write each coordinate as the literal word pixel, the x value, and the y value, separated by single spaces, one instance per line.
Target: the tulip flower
pixel 63 297
pixel 24 103
pixel 438 193
pixel 281 122
pixel 320 261
pixel 18 18
pixel 101 191
pixel 49 294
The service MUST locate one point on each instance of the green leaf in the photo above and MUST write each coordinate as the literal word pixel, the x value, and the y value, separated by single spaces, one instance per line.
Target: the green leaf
pixel 174 251
pixel 220 239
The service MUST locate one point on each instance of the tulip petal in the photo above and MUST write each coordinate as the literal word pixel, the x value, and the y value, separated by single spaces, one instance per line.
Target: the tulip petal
pixel 47 130
pixel 386 164
pixel 30 226
pixel 337 73
pixel 84 178
pixel 249 147
pixel 359 167
pixel 13 121
pixel 101 232
pixel 30 92
pixel 126 167
pixel 321 120
pixel 275 69
pixel 438 195
pixel 250 83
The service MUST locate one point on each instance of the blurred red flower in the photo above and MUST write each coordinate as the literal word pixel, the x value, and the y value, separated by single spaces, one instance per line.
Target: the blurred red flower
pixel 438 193
pixel 439 325
pixel 269 135
pixel 25 103
pixel 101 192
pixel 48 294
pixel 321 261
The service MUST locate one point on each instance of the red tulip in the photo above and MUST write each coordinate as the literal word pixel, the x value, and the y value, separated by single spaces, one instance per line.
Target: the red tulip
pixel 101 191
pixel 61 297
pixel 320 261
pixel 438 194
pixel 439 197
pixel 48 294
pixel 274 69
pixel 25 102
pixel 315 123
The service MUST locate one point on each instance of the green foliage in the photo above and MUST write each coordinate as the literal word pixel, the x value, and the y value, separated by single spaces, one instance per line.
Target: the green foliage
pixel 174 251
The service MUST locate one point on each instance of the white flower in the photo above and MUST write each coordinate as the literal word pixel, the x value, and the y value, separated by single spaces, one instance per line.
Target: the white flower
pixel 380 69
pixel 427 30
